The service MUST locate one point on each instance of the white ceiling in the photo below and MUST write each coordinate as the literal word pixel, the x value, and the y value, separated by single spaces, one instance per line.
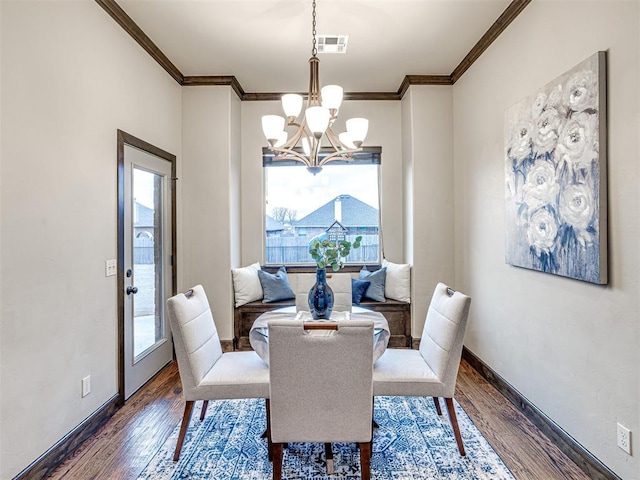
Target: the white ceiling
pixel 266 44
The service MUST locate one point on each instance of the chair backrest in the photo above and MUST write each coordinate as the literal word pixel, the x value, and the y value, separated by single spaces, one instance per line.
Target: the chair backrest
pixel 340 283
pixel 195 337
pixel 443 334
pixel 321 386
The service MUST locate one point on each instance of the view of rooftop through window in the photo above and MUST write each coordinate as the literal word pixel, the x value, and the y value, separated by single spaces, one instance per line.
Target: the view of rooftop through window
pixel 342 201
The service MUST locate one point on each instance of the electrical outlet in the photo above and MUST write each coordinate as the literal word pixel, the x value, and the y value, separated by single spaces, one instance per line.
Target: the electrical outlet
pixel 110 268
pixel 624 438
pixel 86 385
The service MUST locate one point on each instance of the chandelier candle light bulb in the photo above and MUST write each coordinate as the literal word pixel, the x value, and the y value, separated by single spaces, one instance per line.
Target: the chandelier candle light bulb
pixel 321 112
pixel 357 129
pixel 272 126
pixel 292 106
pixel 317 120
pixel 332 99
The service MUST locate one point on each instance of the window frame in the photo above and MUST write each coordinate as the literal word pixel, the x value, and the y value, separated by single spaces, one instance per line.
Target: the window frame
pixel 367 156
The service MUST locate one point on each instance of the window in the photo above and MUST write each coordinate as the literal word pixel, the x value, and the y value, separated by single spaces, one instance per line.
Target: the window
pixel 342 201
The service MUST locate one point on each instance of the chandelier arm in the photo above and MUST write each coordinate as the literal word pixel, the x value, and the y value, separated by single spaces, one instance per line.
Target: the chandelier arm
pixel 300 132
pixel 289 154
pixel 339 156
pixel 335 141
pixel 342 151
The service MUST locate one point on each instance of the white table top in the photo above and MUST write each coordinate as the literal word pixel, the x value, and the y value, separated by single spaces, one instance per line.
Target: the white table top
pixel 260 341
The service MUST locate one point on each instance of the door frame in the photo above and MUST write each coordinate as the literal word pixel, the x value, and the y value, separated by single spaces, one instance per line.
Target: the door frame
pixel 128 139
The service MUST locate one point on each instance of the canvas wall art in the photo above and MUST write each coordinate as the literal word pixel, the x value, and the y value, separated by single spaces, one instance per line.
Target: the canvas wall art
pixel 555 162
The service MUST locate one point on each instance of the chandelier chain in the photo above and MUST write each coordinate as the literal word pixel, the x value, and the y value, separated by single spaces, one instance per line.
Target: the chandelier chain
pixel 314 50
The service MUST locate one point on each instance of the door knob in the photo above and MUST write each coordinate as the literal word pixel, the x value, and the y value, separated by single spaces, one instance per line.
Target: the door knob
pixel 131 290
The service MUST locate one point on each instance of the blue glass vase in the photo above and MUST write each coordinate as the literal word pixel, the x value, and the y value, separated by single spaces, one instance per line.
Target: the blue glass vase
pixel 321 296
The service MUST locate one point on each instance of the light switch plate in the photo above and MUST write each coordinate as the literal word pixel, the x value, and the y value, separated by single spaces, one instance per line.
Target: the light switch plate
pixel 110 268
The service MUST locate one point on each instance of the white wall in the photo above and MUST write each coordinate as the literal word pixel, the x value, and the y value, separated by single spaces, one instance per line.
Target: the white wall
pixel 570 347
pixel 384 130
pixel 1 170
pixel 235 183
pixel 428 157
pixel 210 117
pixel 70 79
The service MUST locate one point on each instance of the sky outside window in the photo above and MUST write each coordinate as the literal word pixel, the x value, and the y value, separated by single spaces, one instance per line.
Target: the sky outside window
pixel 295 188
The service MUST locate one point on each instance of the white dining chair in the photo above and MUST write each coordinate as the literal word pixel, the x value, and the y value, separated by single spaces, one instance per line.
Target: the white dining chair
pixel 321 386
pixel 206 372
pixel 432 370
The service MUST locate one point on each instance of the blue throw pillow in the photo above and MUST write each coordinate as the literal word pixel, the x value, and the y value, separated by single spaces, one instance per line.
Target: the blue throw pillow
pixel 375 291
pixel 275 287
pixel 358 287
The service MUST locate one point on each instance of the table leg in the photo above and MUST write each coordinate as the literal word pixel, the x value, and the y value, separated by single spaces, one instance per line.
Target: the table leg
pixel 328 453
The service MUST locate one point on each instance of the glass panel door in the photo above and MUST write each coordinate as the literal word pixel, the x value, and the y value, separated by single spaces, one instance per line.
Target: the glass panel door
pixel 148 322
pixel 147 266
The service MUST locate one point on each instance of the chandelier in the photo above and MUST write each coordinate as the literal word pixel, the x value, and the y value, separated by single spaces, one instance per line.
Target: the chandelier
pixel 320 114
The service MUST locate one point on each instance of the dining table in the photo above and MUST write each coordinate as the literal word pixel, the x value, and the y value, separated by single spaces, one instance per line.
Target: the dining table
pixel 259 333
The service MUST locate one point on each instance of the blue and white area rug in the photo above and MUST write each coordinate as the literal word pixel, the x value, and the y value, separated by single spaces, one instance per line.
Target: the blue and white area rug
pixel 413 442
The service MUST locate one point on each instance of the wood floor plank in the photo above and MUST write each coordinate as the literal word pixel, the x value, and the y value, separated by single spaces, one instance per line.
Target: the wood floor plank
pixel 126 444
pixel 524 449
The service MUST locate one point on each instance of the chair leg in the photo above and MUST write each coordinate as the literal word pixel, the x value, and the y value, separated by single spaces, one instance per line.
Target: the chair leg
pixel 277 461
pixel 328 455
pixel 365 460
pixel 454 424
pixel 436 401
pixel 268 432
pixel 205 404
pixel 188 410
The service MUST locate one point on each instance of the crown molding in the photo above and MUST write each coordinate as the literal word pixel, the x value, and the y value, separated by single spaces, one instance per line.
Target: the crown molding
pixel 266 96
pixel 509 15
pixel 422 80
pixel 132 28
pixel 228 80
pixel 120 16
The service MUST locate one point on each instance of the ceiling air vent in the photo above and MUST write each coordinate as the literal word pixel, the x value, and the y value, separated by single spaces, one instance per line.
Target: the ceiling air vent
pixel 332 43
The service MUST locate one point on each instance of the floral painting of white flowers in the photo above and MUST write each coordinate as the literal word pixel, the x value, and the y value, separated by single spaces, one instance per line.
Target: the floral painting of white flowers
pixel 555 162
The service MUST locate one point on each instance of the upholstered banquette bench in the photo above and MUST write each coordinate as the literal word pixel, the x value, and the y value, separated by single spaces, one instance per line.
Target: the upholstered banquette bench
pixel 392 298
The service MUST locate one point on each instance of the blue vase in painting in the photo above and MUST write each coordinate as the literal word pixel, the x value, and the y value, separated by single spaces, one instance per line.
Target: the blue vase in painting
pixel 321 296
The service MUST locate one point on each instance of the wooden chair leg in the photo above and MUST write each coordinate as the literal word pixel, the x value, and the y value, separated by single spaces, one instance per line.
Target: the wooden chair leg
pixel 365 460
pixel 328 455
pixel 454 424
pixel 268 431
pixel 277 461
pixel 436 401
pixel 205 404
pixel 188 410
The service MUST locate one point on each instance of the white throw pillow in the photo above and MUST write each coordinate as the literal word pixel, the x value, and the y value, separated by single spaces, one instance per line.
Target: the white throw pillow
pixel 246 284
pixel 398 283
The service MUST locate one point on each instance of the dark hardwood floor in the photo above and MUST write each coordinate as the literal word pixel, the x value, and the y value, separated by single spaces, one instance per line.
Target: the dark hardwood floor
pixel 124 446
